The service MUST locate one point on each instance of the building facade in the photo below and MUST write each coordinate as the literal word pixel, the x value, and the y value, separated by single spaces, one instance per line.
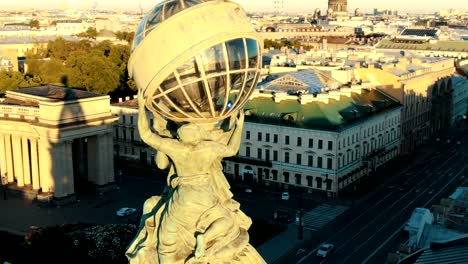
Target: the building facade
pixel 337 6
pixel 325 143
pixel 55 141
pixel 423 86
pixel 127 142
pixel 460 101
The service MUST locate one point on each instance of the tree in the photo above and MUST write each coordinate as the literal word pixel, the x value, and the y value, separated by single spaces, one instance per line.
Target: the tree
pixel 52 72
pixel 93 72
pixel 13 80
pixel 123 35
pixel 100 68
pixel 34 23
pixel 90 33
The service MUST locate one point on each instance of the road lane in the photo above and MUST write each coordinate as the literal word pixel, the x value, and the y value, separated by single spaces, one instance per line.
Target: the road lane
pixel 427 183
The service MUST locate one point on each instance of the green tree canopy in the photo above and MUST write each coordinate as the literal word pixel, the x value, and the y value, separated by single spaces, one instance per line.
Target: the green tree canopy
pixel 34 23
pixel 89 33
pixel 13 80
pixel 92 71
pixel 100 68
pixel 123 35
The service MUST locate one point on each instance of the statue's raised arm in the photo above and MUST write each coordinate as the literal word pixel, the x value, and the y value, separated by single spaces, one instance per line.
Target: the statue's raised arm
pixel 150 137
pixel 236 138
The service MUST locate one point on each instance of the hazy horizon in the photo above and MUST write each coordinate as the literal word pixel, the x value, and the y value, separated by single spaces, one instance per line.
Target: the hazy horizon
pixel 300 6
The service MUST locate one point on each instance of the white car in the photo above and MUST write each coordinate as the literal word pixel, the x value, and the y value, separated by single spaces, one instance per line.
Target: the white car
pixel 125 211
pixel 285 196
pixel 324 250
pixel 248 190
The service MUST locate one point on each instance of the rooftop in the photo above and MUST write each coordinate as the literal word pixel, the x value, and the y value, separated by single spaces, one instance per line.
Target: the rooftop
pixel 312 81
pixel 332 116
pixel 454 45
pixel 420 32
pixel 452 254
pixel 55 93
pixel 128 104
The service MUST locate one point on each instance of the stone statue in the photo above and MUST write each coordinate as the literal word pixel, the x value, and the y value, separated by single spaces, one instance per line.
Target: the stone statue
pixel 195 63
pixel 196 220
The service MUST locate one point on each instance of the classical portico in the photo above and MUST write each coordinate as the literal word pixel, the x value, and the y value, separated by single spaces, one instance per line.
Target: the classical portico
pixel 55 140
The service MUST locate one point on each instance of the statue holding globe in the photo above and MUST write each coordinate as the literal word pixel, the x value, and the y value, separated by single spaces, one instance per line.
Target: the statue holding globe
pixel 195 63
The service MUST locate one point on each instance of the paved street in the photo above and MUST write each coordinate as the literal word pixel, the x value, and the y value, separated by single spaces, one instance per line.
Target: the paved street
pixel 322 215
pixel 368 232
pixel 364 233
pixel 137 185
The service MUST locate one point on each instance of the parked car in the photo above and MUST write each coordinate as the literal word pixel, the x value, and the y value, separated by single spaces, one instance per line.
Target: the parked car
pixel 285 196
pixel 402 187
pixel 324 250
pixel 248 190
pixel 125 211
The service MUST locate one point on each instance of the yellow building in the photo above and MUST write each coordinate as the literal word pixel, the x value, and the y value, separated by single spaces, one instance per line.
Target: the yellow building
pixel 423 86
pixel 127 141
pixel 54 141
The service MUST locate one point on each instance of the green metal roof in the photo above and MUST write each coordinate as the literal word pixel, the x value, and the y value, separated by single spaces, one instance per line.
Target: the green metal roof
pixel 334 116
pixel 441 45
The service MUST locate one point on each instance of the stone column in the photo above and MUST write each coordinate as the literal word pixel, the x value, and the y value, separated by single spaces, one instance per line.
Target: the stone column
pixel 3 158
pixel 68 179
pixel 9 159
pixel 18 160
pixel 58 169
pixel 110 158
pixel 45 165
pixel 93 160
pixel 102 176
pixel 34 165
pixel 62 169
pixel 101 160
pixel 26 158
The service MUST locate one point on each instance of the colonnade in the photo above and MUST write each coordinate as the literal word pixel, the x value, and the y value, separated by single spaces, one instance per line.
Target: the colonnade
pixel 46 166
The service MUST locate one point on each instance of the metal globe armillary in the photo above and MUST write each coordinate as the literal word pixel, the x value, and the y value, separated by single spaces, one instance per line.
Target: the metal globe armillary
pixel 196 61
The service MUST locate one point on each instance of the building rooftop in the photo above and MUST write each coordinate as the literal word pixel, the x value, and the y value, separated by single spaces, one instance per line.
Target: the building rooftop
pixel 448 255
pixel 55 93
pixel 457 46
pixel 128 104
pixel 410 68
pixel 332 116
pixel 311 81
pixel 38 39
pixel 421 32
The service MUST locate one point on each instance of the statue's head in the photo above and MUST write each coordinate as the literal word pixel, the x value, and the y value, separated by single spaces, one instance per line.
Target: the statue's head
pixel 196 61
pixel 191 134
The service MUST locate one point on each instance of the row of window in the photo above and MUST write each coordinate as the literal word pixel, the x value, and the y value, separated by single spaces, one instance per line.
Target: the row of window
pixel 350 156
pixel 124 134
pixel 287 140
pixel 124 119
pixel 319 181
pixel 128 150
pixel 311 161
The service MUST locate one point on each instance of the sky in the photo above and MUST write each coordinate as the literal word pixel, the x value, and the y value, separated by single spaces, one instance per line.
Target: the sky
pixel 303 6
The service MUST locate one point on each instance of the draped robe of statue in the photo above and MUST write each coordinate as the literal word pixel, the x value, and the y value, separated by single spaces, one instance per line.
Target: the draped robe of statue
pixel 195 220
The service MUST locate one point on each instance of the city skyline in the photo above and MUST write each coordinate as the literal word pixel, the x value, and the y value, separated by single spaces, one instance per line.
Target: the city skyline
pixel 301 6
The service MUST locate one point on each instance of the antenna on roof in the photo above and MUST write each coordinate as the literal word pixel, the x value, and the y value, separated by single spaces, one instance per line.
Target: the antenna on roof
pixel 141 9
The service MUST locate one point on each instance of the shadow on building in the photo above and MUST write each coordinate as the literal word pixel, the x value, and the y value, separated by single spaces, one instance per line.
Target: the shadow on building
pixel 55 143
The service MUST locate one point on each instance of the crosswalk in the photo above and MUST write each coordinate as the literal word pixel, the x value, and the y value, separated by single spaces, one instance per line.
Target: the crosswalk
pixel 322 215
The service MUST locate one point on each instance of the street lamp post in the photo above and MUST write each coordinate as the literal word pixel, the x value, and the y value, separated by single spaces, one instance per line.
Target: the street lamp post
pixel 300 234
pixel 326 186
pixel 4 183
